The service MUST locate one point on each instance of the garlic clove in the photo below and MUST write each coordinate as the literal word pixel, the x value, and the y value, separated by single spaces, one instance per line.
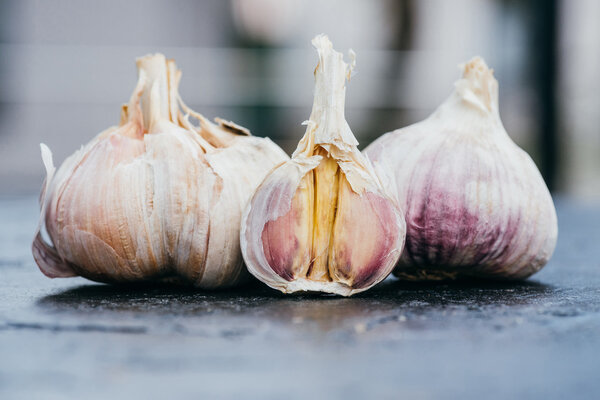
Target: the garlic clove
pixel 156 197
pixel 475 203
pixel 323 220
pixel 357 254
pixel 286 238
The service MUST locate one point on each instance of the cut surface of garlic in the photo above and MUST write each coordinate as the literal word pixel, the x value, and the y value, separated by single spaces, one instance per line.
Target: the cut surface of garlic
pixel 475 203
pixel 156 197
pixel 323 220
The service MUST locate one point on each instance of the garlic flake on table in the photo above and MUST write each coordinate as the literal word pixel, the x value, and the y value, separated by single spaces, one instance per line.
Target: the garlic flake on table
pixel 323 220
pixel 475 203
pixel 156 197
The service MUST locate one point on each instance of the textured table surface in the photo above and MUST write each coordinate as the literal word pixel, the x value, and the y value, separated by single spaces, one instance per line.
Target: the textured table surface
pixel 72 338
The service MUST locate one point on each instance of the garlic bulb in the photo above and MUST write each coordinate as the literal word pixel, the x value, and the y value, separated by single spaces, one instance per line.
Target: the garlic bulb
pixel 322 221
pixel 475 203
pixel 156 197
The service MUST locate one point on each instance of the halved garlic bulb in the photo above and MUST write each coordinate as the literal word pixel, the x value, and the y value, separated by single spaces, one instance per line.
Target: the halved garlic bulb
pixel 156 197
pixel 475 203
pixel 323 221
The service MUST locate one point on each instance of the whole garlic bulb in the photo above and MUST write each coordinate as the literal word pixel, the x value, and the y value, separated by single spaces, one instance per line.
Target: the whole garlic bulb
pixel 475 203
pixel 156 197
pixel 323 221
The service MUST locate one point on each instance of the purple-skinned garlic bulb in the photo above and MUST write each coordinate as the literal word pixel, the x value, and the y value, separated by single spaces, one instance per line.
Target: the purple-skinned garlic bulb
pixel 323 221
pixel 475 203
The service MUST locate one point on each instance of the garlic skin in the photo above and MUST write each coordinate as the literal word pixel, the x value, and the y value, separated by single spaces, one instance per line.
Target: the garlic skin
pixel 323 220
pixel 156 198
pixel 476 204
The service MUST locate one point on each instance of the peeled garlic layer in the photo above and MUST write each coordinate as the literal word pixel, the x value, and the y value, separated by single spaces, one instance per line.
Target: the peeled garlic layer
pixel 156 197
pixel 475 203
pixel 322 221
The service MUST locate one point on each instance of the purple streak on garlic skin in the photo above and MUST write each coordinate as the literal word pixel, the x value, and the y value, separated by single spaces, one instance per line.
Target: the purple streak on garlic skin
pixel 475 203
pixel 280 249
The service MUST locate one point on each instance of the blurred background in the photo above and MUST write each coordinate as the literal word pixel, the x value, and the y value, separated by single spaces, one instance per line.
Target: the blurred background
pixel 67 66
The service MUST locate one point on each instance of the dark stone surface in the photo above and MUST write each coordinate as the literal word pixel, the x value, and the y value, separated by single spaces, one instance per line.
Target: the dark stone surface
pixel 74 338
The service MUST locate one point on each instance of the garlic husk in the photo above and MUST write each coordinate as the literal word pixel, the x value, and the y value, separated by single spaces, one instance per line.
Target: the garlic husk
pixel 155 198
pixel 323 221
pixel 475 203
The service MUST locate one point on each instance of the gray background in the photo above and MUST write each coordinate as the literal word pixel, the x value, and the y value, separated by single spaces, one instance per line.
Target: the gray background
pixel 67 66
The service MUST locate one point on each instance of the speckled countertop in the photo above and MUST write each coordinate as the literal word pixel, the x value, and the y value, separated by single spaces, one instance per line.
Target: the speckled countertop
pixel 72 338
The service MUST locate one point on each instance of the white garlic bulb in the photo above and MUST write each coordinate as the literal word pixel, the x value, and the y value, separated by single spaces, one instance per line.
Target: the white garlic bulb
pixel 156 197
pixel 323 220
pixel 475 203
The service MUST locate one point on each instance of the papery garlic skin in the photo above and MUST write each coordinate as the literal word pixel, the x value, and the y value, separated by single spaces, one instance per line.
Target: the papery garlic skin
pixel 475 203
pixel 156 197
pixel 323 220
